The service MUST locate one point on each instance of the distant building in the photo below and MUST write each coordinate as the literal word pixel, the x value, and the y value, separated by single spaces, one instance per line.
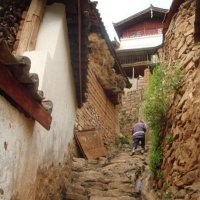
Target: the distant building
pixel 140 36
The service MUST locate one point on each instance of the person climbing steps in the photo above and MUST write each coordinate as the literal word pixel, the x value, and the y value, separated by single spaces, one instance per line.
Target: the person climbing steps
pixel 138 132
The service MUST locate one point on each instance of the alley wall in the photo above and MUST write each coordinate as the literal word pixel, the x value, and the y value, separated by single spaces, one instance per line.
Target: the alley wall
pixel 32 158
pixel 129 113
pixel 181 157
pixel 99 112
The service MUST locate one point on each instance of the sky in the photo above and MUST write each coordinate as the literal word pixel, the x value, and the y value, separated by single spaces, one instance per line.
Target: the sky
pixel 117 10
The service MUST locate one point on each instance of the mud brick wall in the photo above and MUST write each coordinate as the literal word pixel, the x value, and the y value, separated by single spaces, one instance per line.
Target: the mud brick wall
pixel 129 112
pixel 181 160
pixel 98 112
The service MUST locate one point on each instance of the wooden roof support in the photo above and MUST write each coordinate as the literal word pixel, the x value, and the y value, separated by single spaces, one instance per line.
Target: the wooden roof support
pixel 197 22
pixel 31 26
pixel 13 88
pixel 80 50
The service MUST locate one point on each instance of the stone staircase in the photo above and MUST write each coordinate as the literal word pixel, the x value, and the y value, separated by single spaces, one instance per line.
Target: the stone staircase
pixel 115 177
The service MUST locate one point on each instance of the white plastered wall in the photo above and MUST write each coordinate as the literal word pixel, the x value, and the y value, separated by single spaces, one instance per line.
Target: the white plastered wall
pixel 140 42
pixel 24 144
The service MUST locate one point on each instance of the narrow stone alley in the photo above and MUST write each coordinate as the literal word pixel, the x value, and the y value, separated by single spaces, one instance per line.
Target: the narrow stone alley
pixel 118 176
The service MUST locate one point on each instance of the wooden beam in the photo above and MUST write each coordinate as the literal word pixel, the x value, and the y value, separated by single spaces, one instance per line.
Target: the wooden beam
pixel 13 88
pixel 80 50
pixel 31 26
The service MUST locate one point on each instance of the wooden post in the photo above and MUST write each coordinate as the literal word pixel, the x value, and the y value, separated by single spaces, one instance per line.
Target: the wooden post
pixel 31 26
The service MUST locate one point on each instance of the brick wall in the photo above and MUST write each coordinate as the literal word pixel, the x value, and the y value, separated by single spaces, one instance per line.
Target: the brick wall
pixel 98 112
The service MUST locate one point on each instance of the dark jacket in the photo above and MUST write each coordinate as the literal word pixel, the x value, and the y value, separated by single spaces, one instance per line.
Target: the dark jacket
pixel 139 130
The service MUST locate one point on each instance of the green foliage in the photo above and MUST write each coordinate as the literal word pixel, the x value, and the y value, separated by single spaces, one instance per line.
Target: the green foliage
pixel 167 195
pixel 123 111
pixel 122 121
pixel 124 118
pixel 160 175
pixel 162 84
pixel 117 142
pixel 122 140
pixel 169 139
pixel 129 118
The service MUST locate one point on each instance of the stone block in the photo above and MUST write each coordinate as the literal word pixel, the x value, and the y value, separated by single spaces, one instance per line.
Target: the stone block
pixel 190 40
pixel 182 50
pixel 190 66
pixel 191 31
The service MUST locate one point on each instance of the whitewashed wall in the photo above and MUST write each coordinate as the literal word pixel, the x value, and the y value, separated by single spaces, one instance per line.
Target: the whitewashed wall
pixel 140 42
pixel 29 145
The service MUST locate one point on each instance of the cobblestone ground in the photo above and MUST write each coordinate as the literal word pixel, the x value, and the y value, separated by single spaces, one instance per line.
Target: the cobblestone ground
pixel 119 176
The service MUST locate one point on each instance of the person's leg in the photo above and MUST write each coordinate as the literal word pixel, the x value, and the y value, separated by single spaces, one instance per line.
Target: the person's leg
pixel 135 144
pixel 143 144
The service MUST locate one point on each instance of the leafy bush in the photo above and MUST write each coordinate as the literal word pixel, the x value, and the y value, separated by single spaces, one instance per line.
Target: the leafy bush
pixel 122 140
pixel 157 98
pixel 122 121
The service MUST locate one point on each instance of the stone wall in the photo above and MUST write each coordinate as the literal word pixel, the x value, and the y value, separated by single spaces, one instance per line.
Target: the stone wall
pixel 181 157
pixel 129 113
pixel 143 81
pixel 131 103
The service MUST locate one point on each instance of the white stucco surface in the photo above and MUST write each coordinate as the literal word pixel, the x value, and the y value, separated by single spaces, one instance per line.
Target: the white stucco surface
pixel 140 42
pixel 133 81
pixel 24 144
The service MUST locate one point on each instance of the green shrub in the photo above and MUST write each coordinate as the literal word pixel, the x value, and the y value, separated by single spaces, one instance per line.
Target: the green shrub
pixel 129 118
pixel 122 140
pixel 157 98
pixel 123 111
pixel 122 121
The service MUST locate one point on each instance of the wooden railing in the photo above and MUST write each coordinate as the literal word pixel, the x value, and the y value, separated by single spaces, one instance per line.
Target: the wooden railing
pixel 143 33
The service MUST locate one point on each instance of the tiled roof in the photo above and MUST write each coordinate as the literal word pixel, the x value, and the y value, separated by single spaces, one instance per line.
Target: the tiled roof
pixel 139 17
pixel 91 22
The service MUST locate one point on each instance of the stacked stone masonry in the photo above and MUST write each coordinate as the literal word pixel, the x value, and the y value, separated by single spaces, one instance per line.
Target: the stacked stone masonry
pixel 130 110
pixel 181 158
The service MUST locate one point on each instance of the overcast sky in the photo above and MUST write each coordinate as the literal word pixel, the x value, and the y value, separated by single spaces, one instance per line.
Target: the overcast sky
pixel 117 10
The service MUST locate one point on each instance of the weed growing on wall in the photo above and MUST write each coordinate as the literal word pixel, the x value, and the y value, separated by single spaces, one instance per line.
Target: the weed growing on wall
pixel 119 141
pixel 162 84
pixel 168 139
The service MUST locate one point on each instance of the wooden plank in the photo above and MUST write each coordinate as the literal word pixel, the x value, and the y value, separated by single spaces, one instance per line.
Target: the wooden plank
pixel 91 143
pixel 36 8
pixel 31 26
pixel 13 88
pixel 33 34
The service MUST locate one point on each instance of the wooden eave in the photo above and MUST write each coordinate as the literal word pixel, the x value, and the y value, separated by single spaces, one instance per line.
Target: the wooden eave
pixel 14 89
pixel 90 22
pixel 139 17
pixel 78 30
pixel 16 92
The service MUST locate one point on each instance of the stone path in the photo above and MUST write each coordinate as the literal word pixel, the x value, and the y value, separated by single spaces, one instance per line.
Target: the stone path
pixel 115 177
